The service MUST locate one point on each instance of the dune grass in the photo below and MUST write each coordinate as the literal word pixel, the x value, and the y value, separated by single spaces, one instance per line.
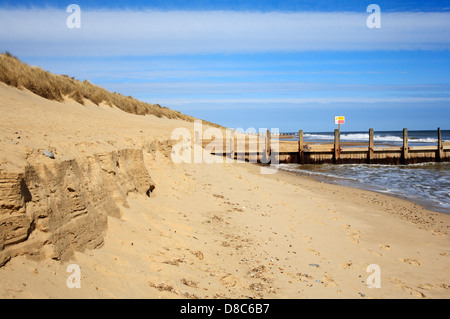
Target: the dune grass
pixel 17 74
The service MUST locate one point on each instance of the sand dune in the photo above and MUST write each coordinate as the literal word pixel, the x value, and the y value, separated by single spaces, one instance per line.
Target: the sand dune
pixel 140 226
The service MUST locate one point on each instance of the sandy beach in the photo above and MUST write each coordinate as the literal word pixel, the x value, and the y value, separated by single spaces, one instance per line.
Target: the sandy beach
pixel 140 226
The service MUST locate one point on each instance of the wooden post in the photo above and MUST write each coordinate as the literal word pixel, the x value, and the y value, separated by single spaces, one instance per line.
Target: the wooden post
pixel 301 155
pixel 405 155
pixel 232 147
pixel 337 146
pixel 370 153
pixel 229 146
pixel 440 152
pixel 268 146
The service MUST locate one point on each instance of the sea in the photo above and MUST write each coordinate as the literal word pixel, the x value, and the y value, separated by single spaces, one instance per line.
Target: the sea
pixel 427 184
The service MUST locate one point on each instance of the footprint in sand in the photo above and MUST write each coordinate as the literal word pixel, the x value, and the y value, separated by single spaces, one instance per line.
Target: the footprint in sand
pixel 313 251
pixel 307 239
pixel 355 236
pixel 384 246
pixel 425 286
pixel 374 253
pixel 413 292
pixel 198 254
pixel 329 281
pixel 413 262
pixel 347 265
pixel 333 212
pixel 228 281
pixel 318 222
pixel 396 281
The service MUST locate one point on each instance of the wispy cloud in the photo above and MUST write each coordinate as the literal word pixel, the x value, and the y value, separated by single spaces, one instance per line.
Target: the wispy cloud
pixel 280 86
pixel 296 103
pixel 110 33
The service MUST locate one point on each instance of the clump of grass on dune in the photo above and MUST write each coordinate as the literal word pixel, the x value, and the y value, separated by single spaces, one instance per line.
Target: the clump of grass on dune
pixel 17 74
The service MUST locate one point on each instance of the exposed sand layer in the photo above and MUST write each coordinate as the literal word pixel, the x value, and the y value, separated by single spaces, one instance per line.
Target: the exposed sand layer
pixel 203 231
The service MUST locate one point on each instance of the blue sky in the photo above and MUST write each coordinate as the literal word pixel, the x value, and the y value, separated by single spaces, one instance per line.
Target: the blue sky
pixel 263 64
pixel 242 5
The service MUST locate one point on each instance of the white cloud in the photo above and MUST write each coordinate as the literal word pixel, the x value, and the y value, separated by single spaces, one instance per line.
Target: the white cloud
pixel 44 32
pixel 270 103
pixel 275 87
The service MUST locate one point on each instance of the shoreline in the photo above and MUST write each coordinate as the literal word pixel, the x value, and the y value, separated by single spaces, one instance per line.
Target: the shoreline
pixel 340 181
pixel 402 200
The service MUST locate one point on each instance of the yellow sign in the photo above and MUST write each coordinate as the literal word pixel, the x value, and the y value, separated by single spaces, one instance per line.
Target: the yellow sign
pixel 339 120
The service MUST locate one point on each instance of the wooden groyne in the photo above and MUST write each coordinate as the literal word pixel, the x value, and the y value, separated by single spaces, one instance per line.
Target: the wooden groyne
pixel 266 151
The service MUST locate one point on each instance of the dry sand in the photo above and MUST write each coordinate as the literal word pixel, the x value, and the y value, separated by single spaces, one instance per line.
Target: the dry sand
pixel 207 230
